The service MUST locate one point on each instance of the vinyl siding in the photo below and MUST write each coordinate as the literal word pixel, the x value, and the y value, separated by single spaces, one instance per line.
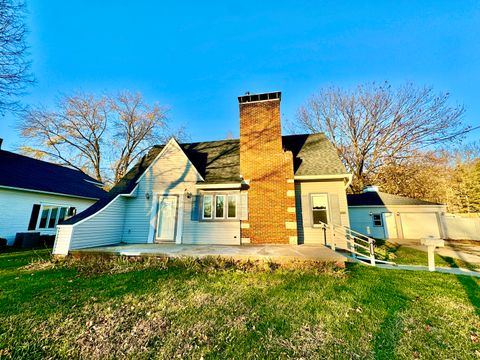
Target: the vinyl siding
pixel 362 222
pixel 203 232
pixel 307 234
pixel 172 173
pixel 16 208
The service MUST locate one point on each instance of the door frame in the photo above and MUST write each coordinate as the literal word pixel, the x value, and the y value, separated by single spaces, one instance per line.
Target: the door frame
pixel 178 218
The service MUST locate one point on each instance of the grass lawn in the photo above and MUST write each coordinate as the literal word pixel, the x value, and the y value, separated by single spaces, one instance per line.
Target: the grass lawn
pixel 407 256
pixel 212 308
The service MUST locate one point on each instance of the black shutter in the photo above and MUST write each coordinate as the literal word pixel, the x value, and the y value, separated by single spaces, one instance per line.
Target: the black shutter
pixel 32 225
pixel 195 215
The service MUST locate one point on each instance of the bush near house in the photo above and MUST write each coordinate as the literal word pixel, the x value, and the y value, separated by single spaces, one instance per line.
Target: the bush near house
pixel 213 308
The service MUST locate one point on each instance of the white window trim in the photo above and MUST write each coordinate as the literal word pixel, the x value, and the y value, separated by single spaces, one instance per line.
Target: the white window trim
pixel 50 205
pixel 235 196
pixel 215 206
pixel 225 217
pixel 212 203
pixel 327 209
pixel 381 220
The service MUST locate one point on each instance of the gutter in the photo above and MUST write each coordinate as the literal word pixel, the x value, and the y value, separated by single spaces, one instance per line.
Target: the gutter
pixel 48 192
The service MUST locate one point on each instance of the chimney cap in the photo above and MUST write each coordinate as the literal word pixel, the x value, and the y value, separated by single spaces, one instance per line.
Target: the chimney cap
pixel 370 188
pixel 248 98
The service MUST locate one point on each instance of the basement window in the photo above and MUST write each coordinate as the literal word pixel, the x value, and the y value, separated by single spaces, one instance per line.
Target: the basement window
pixel 377 220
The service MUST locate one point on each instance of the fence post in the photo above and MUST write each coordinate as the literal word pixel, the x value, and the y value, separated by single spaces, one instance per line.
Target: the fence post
pixel 333 236
pixel 372 253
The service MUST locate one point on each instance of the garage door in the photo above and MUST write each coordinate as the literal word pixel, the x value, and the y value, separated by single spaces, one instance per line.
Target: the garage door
pixel 419 225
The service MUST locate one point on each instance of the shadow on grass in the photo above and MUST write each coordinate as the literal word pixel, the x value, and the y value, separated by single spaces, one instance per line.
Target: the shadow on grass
pixel 469 283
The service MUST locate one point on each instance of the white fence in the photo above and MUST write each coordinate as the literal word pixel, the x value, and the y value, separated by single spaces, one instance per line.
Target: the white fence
pixel 460 228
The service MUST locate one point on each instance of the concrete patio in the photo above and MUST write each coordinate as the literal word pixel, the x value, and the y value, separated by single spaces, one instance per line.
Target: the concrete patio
pixel 244 252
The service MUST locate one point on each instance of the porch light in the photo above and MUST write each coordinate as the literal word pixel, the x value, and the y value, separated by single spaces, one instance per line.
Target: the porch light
pixel 188 194
pixel 147 195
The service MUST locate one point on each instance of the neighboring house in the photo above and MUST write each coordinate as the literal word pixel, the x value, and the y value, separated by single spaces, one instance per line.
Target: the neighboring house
pixel 385 216
pixel 35 195
pixel 262 188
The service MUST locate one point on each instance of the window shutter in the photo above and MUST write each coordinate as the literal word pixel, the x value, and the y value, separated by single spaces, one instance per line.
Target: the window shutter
pixel 196 208
pixel 243 206
pixel 34 217
pixel 306 206
pixel 334 209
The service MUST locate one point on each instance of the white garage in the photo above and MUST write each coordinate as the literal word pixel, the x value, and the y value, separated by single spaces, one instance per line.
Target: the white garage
pixel 386 216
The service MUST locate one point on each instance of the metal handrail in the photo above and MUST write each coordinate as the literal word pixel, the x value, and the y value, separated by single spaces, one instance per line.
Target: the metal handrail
pixel 353 240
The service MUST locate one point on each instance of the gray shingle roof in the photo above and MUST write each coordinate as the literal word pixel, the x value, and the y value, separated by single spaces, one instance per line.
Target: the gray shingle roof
pixel 23 172
pixel 219 162
pixel 380 198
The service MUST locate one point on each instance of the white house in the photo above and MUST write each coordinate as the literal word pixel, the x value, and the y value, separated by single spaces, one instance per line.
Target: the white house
pixel 386 216
pixel 36 195
pixel 261 188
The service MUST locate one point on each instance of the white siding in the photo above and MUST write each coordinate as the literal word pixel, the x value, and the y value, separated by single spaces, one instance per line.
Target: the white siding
pixel 104 228
pixel 204 232
pixel 172 173
pixel 307 234
pixel 16 209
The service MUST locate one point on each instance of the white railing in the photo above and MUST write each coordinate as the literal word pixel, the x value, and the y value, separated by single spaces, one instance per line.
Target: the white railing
pixel 358 244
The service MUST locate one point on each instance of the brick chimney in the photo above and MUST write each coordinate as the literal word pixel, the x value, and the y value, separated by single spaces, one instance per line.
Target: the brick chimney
pixel 268 170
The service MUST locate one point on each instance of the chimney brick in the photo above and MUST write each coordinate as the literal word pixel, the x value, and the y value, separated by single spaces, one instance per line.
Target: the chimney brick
pixel 269 170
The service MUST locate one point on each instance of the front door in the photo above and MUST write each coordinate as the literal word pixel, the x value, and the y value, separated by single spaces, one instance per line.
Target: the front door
pixel 167 218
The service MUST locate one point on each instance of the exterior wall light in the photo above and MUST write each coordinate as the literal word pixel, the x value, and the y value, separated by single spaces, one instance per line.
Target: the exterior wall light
pixel 147 195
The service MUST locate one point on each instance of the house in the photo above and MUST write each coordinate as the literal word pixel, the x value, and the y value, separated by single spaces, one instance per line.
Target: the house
pixel 35 195
pixel 264 188
pixel 386 216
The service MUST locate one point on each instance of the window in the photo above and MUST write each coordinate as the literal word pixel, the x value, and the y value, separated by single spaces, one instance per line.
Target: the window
pixel 207 206
pixel 319 203
pixel 51 215
pixel 377 220
pixel 232 207
pixel 219 206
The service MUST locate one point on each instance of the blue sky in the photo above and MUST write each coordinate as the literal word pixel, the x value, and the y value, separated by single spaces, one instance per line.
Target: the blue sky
pixel 197 57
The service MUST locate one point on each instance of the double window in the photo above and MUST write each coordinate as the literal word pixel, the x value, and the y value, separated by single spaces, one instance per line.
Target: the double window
pixel 219 206
pixel 51 215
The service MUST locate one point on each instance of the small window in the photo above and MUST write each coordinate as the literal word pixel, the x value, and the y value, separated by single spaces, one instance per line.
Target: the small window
pixel 232 206
pixel 207 206
pixel 219 206
pixel 44 217
pixel 319 203
pixel 377 220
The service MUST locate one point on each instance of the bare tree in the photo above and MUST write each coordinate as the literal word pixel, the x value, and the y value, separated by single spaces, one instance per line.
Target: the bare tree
pixel 101 136
pixel 14 64
pixel 375 125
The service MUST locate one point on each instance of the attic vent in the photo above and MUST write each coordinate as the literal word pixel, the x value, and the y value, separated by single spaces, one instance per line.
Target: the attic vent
pixel 259 97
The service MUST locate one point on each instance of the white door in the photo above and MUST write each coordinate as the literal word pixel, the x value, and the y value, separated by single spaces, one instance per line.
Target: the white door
pixel 390 225
pixel 167 218
pixel 419 225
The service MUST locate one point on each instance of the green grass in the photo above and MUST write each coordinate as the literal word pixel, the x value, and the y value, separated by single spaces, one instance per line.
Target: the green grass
pixel 408 256
pixel 159 308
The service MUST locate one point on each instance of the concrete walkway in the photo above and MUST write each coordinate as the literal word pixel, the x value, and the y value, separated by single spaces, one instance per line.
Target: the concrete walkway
pixel 244 252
